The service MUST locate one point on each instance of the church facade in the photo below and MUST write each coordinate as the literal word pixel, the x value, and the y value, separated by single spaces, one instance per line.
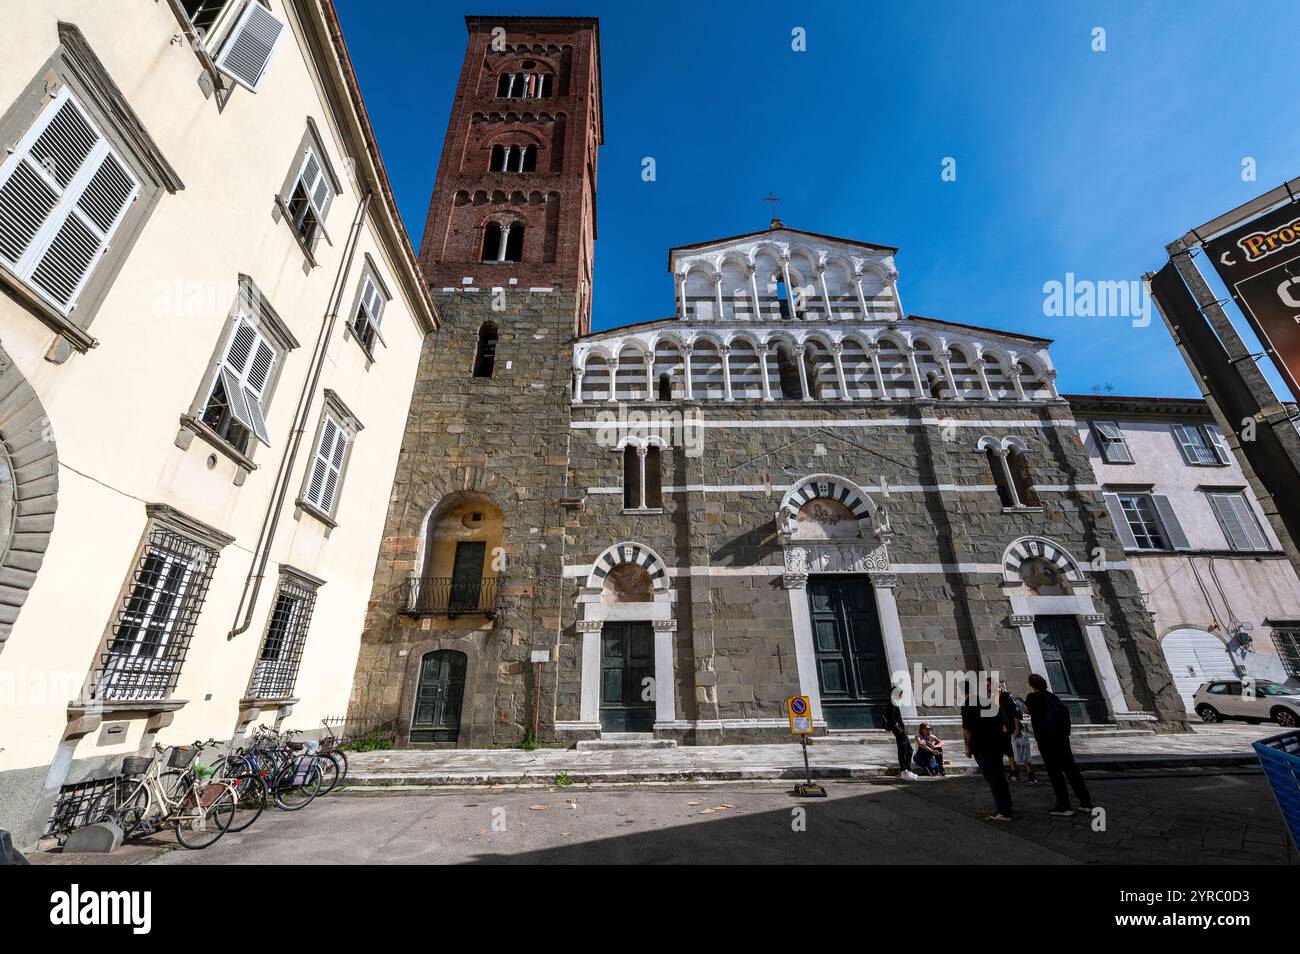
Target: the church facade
pixel 791 486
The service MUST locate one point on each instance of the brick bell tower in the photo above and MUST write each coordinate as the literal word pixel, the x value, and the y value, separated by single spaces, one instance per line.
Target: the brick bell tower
pixel 469 582
pixel 514 203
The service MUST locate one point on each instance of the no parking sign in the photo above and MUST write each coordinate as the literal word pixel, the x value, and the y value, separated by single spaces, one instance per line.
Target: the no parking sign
pixel 799 710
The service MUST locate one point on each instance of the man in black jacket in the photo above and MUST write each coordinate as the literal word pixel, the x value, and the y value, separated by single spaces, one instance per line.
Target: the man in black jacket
pixel 1051 721
pixel 984 730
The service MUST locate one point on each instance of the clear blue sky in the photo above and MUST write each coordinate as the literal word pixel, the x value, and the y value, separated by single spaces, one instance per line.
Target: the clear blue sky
pixel 1068 160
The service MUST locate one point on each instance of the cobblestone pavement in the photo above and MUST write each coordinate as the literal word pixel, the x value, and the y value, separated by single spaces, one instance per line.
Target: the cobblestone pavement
pixel 836 759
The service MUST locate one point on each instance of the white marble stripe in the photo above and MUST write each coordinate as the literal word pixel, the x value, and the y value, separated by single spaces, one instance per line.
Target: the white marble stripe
pixel 910 569
pixel 893 488
pixel 862 422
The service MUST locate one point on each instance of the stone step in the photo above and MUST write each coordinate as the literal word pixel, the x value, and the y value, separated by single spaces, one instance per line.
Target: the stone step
pixel 611 741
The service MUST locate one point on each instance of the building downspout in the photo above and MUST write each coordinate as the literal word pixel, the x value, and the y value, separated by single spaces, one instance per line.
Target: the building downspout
pixel 266 536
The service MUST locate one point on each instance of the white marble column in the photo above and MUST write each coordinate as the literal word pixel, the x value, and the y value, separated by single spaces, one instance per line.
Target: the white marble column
pixel 799 351
pixel 1015 381
pixel 891 631
pixel 945 362
pixel 862 298
pixel 805 650
pixel 589 696
pixel 826 295
pixel 984 380
pixel 578 374
pixel 762 370
pixel 724 352
pixel 665 679
pixel 837 354
pixel 717 290
pixel 613 380
pixel 1003 454
pixel 1049 378
pixel 918 385
pixel 687 351
pixel 874 353
pixel 650 389
pixel 789 288
pixel 752 272
pixel 681 295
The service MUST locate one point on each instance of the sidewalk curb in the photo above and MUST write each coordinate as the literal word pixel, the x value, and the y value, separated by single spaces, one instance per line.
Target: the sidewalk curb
pixel 867 770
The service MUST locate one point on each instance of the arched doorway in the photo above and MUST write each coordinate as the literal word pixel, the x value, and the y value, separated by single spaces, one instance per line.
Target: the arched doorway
pixel 439 696
pixel 1194 657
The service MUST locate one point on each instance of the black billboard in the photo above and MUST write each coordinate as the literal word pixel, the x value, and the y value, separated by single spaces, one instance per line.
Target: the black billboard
pixel 1260 264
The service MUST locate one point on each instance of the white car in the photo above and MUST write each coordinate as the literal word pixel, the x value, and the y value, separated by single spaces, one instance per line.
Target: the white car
pixel 1263 701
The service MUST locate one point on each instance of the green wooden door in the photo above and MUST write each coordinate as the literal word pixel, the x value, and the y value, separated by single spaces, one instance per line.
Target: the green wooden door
pixel 852 671
pixel 1069 667
pixel 467 576
pixel 438 697
pixel 627 668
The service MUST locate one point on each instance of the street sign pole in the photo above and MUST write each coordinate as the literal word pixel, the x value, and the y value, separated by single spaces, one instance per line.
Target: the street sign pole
pixel 799 709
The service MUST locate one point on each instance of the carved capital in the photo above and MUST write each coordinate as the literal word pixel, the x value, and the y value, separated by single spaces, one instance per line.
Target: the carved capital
pixel 1092 619
pixel 1022 619
pixel 887 581
pixel 590 625
pixel 665 625
pixel 794 581
pixel 837 348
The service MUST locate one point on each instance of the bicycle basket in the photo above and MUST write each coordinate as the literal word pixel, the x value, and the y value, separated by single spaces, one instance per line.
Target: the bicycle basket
pixel 181 756
pixel 134 765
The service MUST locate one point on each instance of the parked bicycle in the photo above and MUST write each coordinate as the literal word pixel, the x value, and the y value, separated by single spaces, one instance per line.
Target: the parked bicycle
pixel 147 797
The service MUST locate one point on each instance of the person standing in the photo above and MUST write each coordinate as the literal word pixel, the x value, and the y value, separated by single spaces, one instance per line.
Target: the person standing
pixel 894 723
pixel 1051 724
pixel 984 732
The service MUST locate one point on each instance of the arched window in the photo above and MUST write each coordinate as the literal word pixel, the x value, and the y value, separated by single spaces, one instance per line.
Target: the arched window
pixel 665 387
pixel 516 158
pixel 525 84
pixel 485 354
pixel 1022 480
pixel 788 372
pixel 642 478
pixel 491 242
pixel 653 485
pixel 631 478
pixel 503 243
pixel 783 299
pixel 1000 478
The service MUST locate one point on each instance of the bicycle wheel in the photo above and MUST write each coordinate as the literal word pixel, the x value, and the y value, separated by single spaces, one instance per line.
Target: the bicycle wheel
pixel 331 771
pixel 126 805
pixel 250 799
pixel 294 788
pixel 343 758
pixel 198 825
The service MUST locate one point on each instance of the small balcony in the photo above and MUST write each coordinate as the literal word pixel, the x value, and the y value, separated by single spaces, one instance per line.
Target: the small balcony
pixel 445 596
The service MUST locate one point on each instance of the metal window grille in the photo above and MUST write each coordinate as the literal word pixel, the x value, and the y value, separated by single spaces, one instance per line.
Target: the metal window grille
pixel 282 646
pixel 156 620
pixel 76 805
pixel 1287 642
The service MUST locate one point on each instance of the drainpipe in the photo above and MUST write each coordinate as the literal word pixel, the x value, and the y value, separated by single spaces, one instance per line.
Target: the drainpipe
pixel 266 536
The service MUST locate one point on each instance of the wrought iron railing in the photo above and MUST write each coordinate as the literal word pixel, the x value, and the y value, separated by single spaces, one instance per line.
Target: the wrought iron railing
pixel 445 596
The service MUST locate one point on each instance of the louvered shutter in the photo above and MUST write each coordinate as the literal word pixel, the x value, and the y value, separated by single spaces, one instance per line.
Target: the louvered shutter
pixel 1117 517
pixel 312 176
pixel 1239 525
pixel 1219 444
pixel 1110 439
pixel 245 373
pixel 1194 444
pixel 327 465
pixel 251 45
pixel 372 303
pixel 1169 522
pixel 63 193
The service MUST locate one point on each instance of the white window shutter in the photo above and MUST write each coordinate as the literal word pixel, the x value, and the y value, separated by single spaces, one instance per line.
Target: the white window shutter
pixel 251 45
pixel 1110 440
pixel 312 176
pixel 63 193
pixel 1117 517
pixel 372 303
pixel 327 465
pixel 245 372
pixel 1186 444
pixel 1173 529
pixel 1219 444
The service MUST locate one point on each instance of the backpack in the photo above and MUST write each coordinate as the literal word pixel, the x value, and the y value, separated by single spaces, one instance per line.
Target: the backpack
pixel 1054 719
